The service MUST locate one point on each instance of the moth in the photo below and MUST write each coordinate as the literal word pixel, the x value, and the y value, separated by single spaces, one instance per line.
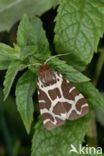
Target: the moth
pixel 58 99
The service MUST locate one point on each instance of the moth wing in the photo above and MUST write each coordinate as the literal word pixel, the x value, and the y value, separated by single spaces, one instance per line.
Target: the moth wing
pixel 75 104
pixel 58 99
pixel 53 111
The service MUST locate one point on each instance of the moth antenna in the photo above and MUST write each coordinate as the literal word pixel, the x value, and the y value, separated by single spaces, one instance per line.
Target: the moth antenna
pixel 52 57
pixel 34 64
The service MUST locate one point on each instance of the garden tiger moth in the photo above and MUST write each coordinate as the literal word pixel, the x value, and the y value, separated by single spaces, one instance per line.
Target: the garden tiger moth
pixel 59 100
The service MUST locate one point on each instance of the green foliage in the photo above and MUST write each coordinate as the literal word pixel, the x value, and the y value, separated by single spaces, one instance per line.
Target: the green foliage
pixel 11 11
pixel 72 74
pixel 80 24
pixel 4 64
pixel 7 53
pixel 57 142
pixel 77 32
pixel 93 96
pixel 31 38
pixel 24 91
pixel 11 73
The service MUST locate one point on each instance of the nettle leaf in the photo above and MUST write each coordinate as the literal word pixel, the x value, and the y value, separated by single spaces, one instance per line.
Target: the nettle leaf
pixel 31 35
pixel 11 73
pixel 79 26
pixel 11 11
pixel 93 96
pixel 67 70
pixel 24 91
pixel 7 53
pixel 27 52
pixel 58 141
pixel 4 64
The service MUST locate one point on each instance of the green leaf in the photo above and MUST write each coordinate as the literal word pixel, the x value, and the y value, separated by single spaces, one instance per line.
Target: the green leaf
pixel 93 96
pixel 24 91
pixel 57 142
pixel 12 10
pixel 11 73
pixel 4 64
pixel 8 53
pixel 79 26
pixel 27 52
pixel 67 70
pixel 31 37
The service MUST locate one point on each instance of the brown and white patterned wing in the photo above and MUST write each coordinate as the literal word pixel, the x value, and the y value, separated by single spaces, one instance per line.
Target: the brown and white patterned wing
pixel 51 109
pixel 75 103
pixel 58 98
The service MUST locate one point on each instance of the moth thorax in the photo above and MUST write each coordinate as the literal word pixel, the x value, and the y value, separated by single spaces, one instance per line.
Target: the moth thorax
pixel 47 75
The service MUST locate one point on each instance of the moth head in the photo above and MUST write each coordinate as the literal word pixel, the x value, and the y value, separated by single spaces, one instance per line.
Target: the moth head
pixel 47 75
